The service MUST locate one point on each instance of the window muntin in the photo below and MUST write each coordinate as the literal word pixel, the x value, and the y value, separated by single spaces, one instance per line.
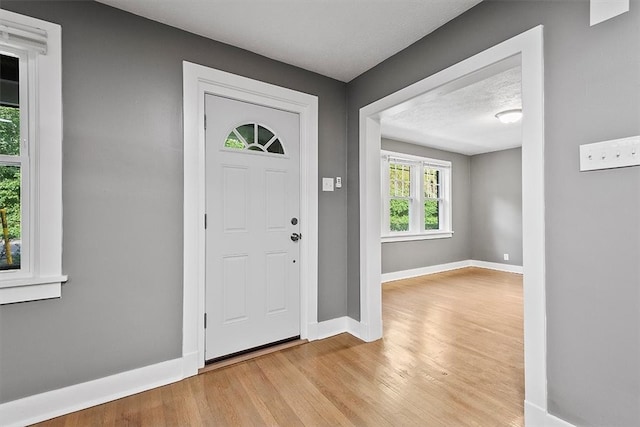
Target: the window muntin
pixel 254 137
pixel 416 197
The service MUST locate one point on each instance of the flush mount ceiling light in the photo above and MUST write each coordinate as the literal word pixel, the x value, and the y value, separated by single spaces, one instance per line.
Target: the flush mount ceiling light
pixel 509 116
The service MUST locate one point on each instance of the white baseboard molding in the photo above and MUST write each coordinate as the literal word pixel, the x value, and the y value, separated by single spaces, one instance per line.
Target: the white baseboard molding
pixel 422 271
pixel 534 416
pixel 332 327
pixel 339 325
pixel 191 363
pixel 357 329
pixel 496 266
pixel 432 269
pixel 51 404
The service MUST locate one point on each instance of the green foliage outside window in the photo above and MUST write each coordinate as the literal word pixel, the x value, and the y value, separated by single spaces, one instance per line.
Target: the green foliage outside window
pixel 399 180
pixel 10 175
pixel 431 215
pixel 399 215
pixel 399 186
pixel 233 142
pixel 9 131
pixel 431 194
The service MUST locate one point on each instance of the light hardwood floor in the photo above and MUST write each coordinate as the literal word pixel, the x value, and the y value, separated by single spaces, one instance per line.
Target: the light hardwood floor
pixel 452 355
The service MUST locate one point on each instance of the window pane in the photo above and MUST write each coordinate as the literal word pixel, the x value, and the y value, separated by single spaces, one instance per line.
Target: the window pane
pixel 431 183
pixel 399 180
pixel 9 105
pixel 399 215
pixel 9 131
pixel 10 215
pixel 264 135
pixel 431 215
pixel 276 147
pixel 247 132
pixel 233 142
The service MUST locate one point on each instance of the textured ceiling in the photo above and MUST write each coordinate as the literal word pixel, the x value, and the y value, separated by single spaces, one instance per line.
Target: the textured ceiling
pixel 462 120
pixel 336 38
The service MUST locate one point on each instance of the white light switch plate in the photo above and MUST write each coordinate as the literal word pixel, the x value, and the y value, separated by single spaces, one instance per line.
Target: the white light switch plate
pixel 327 184
pixel 617 153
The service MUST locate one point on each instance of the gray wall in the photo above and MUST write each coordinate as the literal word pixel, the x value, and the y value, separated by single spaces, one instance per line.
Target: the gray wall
pixel 496 206
pixel 122 196
pixel 397 256
pixel 592 93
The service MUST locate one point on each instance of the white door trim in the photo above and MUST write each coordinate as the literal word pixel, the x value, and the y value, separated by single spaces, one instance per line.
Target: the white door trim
pixel 529 45
pixel 198 80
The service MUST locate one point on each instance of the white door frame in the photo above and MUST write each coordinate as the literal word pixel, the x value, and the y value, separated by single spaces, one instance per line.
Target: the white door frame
pixel 529 45
pixel 198 81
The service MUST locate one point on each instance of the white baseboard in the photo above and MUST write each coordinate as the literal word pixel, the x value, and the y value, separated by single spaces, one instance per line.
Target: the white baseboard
pixel 415 272
pixel 332 327
pixel 51 404
pixel 534 416
pixel 496 266
pixel 190 364
pixel 432 269
pixel 339 325
pixel 357 329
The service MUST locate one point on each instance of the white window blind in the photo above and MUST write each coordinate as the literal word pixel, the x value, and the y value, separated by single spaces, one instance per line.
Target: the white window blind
pixel 23 37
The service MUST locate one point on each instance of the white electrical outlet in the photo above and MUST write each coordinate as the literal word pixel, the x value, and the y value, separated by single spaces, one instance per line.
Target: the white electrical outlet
pixel 506 257
pixel 617 153
pixel 327 184
pixel 338 182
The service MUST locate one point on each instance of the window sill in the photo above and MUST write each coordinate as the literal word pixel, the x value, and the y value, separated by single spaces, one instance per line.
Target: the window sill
pixel 421 236
pixel 31 289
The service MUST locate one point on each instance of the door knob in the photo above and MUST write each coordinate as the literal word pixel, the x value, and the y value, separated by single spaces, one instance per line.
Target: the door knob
pixel 295 237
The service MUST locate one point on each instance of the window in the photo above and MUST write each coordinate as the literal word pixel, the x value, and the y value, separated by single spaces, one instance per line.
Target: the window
pixel 14 162
pixel 254 137
pixel 416 197
pixel 30 159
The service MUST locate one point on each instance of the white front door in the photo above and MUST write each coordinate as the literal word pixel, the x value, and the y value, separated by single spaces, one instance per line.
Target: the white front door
pixel 252 205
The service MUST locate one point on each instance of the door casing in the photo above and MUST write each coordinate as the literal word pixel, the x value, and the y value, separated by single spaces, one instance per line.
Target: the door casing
pixel 199 80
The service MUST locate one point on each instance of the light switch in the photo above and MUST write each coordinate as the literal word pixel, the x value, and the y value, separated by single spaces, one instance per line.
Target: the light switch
pixel 617 153
pixel 338 182
pixel 327 184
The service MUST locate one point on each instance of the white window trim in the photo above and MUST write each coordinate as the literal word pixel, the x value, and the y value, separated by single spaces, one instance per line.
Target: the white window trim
pixel 417 165
pixel 44 277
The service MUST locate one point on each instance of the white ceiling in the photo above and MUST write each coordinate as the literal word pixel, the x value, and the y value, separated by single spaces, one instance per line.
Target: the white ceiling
pixel 337 38
pixel 461 120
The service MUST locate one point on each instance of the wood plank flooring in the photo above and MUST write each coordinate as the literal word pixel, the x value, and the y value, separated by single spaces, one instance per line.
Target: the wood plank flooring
pixel 452 355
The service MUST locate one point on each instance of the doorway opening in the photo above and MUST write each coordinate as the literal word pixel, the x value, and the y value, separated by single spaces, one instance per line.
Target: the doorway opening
pixel 528 47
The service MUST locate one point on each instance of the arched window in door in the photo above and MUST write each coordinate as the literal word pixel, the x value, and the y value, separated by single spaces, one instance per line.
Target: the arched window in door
pixel 254 137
